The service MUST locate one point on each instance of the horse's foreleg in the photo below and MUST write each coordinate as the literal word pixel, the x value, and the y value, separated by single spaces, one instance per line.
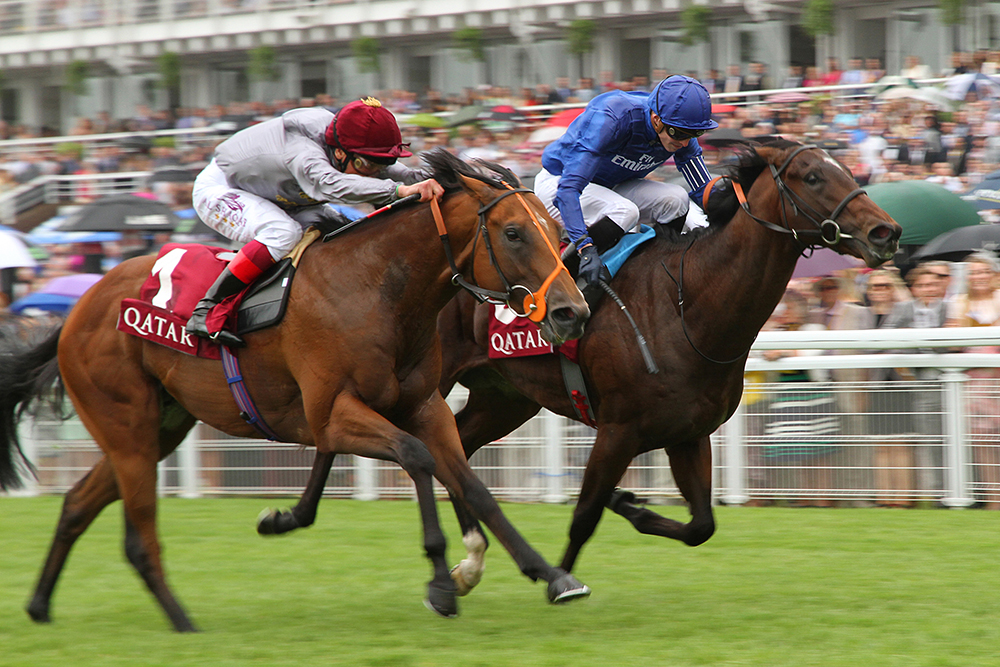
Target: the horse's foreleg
pixel 691 464
pixel 82 505
pixel 469 571
pixel 278 522
pixel 466 489
pixel 355 428
pixel 607 463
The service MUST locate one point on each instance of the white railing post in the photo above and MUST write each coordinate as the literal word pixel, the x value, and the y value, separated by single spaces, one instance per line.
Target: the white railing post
pixel 364 479
pixel 189 465
pixel 26 436
pixel 956 469
pixel 734 473
pixel 554 469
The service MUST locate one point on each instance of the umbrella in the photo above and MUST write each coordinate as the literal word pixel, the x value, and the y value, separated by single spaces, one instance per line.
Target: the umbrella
pixel 891 81
pixel 924 209
pixel 723 108
pixel 986 195
pixel 933 96
pixel 426 120
pixel 824 262
pixel 116 213
pixel 564 117
pixel 176 174
pixel 958 86
pixel 502 112
pixel 59 294
pixel 465 115
pixel 953 246
pixel 546 135
pixel 47 234
pixel 53 303
pixel 788 98
pixel 14 251
pixel 73 285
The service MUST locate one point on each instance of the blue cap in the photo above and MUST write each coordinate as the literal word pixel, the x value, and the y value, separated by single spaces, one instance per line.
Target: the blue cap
pixel 683 102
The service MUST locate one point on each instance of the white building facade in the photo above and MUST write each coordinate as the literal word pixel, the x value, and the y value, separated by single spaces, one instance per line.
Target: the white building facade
pixel 525 44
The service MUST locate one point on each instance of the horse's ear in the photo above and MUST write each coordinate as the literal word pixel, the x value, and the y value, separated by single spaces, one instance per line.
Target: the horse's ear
pixel 477 188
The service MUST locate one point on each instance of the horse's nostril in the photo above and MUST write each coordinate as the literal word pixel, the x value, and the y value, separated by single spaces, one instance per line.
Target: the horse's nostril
pixel 564 315
pixel 883 234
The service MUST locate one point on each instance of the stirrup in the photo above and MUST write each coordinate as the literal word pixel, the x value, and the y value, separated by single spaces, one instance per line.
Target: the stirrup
pixel 226 338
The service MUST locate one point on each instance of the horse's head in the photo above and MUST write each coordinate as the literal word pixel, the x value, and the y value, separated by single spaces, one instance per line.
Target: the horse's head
pixel 515 252
pixel 820 202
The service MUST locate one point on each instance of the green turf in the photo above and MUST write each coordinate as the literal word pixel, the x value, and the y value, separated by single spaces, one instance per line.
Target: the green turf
pixel 844 587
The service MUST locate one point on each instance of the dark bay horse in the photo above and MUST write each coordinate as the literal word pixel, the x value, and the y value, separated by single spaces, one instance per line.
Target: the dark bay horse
pixel 353 368
pixel 733 274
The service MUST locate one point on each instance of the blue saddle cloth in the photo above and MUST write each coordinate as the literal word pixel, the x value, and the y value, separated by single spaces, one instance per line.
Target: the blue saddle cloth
pixel 616 256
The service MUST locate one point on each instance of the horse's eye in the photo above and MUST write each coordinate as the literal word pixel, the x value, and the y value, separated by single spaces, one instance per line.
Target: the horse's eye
pixel 512 234
pixel 811 178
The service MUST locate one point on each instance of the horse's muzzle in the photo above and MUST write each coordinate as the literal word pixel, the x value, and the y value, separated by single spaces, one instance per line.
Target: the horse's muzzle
pixel 564 322
pixel 883 241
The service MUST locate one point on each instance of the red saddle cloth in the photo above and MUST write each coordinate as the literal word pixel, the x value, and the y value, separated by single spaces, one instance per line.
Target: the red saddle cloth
pixel 179 279
pixel 512 336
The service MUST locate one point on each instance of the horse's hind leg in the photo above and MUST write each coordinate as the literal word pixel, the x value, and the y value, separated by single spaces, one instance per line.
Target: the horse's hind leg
pixel 691 464
pixel 277 522
pixel 82 505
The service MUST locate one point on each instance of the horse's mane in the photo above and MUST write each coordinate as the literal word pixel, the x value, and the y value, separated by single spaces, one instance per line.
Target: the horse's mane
pixel 446 169
pixel 722 205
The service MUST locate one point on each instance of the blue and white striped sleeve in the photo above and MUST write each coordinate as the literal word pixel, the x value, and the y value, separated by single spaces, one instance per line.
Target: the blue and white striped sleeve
pixel 692 165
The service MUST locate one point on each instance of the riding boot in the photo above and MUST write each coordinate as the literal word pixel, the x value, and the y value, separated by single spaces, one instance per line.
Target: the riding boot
pixel 605 233
pixel 226 285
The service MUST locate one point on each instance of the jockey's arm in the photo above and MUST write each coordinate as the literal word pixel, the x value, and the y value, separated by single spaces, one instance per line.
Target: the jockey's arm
pixel 692 166
pixel 320 180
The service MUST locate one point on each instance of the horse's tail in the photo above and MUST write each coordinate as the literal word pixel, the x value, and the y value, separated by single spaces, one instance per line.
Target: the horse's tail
pixel 26 373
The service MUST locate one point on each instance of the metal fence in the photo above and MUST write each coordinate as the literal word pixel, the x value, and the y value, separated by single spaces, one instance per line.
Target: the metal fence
pixel 935 439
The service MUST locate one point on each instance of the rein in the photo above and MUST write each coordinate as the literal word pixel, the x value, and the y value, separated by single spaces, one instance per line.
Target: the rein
pixel 828 229
pixel 534 304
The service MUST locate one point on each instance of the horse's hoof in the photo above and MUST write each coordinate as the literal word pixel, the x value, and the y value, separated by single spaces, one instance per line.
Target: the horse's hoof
pixel 442 602
pixel 619 496
pixel 38 614
pixel 265 521
pixel 273 522
pixel 566 588
pixel 464 583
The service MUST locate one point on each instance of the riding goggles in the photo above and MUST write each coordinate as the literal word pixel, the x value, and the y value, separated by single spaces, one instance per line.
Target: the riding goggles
pixel 366 167
pixel 681 134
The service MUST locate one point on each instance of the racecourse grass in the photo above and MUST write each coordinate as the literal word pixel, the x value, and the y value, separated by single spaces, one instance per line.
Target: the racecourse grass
pixel 775 586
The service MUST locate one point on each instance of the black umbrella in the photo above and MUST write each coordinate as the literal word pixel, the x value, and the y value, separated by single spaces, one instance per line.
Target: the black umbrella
pixel 986 195
pixel 116 213
pixel 174 174
pixel 955 245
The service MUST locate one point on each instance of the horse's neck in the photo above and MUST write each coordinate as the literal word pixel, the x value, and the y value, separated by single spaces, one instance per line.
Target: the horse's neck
pixel 733 279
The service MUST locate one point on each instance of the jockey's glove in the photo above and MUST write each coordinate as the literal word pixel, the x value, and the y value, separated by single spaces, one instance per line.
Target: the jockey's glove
pixel 590 265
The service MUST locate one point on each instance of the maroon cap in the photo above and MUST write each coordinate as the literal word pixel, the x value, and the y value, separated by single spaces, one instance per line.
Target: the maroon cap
pixel 367 128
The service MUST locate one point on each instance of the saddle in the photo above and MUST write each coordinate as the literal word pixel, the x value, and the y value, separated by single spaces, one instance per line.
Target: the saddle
pixel 179 278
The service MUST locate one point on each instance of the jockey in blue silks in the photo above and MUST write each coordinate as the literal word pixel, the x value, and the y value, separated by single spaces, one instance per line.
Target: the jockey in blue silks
pixel 593 177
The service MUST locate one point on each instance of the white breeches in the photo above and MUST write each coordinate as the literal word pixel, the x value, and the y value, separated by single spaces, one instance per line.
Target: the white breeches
pixel 241 216
pixel 629 204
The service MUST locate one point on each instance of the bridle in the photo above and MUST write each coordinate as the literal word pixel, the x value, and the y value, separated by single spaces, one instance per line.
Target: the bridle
pixel 826 225
pixel 827 228
pixel 534 303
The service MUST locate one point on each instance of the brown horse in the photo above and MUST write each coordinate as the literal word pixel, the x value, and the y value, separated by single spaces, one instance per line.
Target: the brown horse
pixel 732 275
pixel 353 368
